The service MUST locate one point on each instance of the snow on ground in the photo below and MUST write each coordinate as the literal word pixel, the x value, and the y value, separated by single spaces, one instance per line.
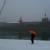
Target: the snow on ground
pixel 6 44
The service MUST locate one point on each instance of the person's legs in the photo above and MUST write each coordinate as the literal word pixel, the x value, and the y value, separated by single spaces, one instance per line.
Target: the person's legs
pixel 32 40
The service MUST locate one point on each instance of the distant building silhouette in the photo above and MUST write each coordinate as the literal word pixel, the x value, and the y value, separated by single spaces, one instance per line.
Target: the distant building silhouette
pixel 45 20
pixel 20 21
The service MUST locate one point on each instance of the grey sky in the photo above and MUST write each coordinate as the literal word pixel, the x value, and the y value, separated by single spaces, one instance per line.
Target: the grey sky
pixel 30 10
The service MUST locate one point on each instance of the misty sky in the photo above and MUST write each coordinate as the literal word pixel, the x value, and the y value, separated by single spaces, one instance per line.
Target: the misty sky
pixel 30 10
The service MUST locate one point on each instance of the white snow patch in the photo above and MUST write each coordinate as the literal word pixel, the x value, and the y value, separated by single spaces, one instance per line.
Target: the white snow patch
pixel 6 44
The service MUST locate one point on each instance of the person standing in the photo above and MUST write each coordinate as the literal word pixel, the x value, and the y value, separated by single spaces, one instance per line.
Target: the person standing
pixel 33 35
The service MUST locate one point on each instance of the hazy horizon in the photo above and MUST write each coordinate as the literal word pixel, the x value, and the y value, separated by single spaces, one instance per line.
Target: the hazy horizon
pixel 29 10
